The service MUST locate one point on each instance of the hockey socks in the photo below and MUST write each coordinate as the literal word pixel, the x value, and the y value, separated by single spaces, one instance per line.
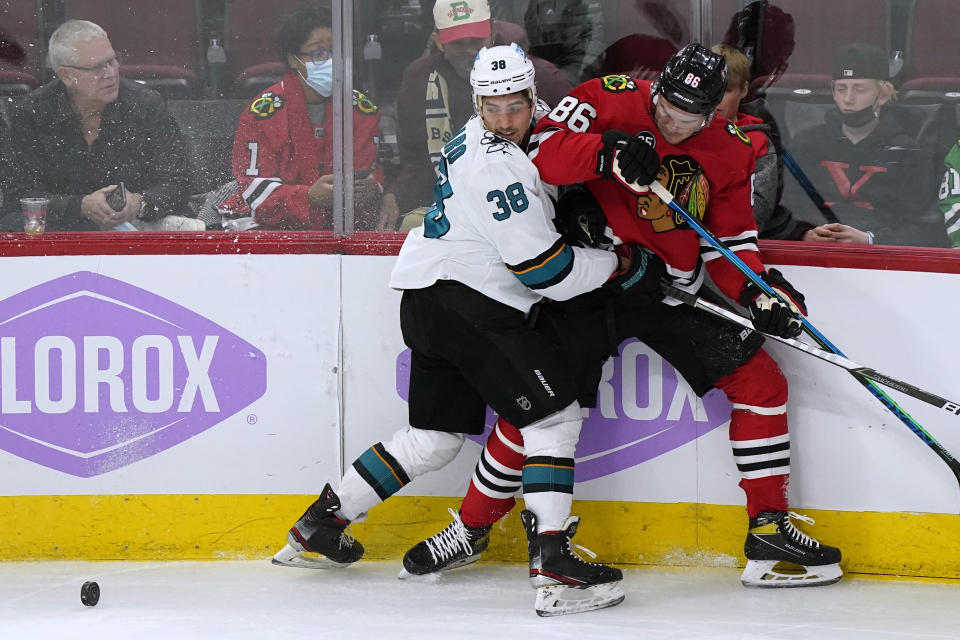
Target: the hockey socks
pixel 374 476
pixel 383 469
pixel 548 490
pixel 496 478
pixel 758 431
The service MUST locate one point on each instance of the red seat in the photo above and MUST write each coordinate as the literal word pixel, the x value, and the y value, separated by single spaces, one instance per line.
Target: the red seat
pixel 21 24
pixel 819 28
pixel 158 42
pixel 252 60
pixel 932 63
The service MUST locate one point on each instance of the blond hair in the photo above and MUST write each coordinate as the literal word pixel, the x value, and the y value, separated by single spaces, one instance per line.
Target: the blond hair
pixel 738 66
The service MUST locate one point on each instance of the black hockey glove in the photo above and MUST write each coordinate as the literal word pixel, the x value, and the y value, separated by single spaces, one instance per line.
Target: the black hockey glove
pixel 636 161
pixel 640 277
pixel 769 315
pixel 580 219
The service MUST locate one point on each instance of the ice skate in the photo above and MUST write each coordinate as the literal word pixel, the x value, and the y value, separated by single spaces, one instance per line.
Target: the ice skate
pixel 323 535
pixel 566 583
pixel 456 546
pixel 780 555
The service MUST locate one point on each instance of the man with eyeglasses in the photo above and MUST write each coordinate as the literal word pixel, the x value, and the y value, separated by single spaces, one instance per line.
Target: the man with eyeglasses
pixel 283 146
pixel 76 138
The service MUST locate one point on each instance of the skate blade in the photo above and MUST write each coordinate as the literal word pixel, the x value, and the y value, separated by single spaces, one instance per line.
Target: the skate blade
pixel 290 557
pixel 434 576
pixel 562 600
pixel 772 574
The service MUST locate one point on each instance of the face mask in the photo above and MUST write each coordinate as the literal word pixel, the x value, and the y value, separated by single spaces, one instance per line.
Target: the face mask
pixel 320 77
pixel 462 64
pixel 860 118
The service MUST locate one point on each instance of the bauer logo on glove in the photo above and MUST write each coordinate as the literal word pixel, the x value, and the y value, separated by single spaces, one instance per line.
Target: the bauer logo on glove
pixel 770 315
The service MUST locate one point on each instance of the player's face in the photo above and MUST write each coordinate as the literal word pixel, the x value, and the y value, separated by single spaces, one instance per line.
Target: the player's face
pixel 508 116
pixel 676 125
pixel 855 95
pixel 94 73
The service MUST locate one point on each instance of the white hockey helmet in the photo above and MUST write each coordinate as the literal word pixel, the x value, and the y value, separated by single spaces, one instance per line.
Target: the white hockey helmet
pixel 502 70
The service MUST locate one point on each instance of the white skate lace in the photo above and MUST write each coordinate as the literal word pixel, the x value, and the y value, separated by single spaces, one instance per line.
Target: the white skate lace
pixel 584 549
pixel 798 535
pixel 346 538
pixel 446 543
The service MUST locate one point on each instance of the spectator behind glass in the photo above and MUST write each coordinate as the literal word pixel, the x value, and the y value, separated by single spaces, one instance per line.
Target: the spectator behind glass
pixel 764 33
pixel 434 99
pixel 283 147
pixel 774 221
pixel 568 33
pixel 864 162
pixel 950 195
pixel 74 139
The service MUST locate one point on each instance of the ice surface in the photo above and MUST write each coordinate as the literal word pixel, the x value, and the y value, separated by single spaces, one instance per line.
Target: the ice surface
pixel 257 601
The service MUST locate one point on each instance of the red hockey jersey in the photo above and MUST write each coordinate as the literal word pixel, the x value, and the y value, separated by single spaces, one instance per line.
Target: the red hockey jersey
pixel 710 173
pixel 278 154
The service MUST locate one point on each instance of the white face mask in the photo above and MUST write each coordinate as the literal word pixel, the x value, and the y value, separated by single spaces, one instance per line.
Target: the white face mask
pixel 320 77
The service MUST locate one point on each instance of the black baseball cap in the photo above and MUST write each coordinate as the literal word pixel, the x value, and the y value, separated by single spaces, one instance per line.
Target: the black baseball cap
pixel 859 60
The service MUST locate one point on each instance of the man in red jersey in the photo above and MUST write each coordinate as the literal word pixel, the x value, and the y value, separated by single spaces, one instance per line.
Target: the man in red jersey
pixel 606 134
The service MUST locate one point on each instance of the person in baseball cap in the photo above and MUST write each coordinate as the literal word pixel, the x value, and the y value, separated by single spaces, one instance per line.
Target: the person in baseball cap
pixel 861 84
pixel 463 27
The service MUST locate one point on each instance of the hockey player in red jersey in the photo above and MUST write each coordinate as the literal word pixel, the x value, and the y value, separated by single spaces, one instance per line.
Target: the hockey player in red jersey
pixel 600 135
pixel 283 146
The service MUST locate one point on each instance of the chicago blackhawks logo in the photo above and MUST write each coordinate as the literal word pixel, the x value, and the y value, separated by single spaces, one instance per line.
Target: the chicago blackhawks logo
pixel 266 105
pixel 364 104
pixel 684 178
pixel 735 131
pixel 618 83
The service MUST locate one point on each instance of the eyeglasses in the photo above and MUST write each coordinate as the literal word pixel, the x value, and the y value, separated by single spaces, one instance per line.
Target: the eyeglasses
pixel 317 56
pixel 98 69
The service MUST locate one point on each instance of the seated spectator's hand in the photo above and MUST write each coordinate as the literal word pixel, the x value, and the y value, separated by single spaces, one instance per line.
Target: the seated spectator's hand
pixel 389 213
pixel 95 207
pixel 845 234
pixel 366 194
pixel 130 211
pixel 320 193
pixel 819 234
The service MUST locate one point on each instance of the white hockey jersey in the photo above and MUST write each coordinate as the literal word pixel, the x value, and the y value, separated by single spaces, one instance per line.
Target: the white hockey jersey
pixel 491 228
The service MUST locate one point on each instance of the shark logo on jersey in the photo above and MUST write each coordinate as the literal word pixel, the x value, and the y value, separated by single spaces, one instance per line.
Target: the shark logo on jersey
pixel 684 178
pixel 494 143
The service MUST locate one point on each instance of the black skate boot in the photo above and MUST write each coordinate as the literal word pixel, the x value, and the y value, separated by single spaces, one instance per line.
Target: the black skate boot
pixel 773 540
pixel 457 545
pixel 319 531
pixel 565 582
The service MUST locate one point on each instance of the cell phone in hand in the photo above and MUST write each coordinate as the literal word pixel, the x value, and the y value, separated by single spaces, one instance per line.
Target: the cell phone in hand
pixel 117 199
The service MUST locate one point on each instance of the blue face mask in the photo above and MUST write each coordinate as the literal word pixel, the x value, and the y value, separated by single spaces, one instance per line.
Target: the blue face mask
pixel 320 77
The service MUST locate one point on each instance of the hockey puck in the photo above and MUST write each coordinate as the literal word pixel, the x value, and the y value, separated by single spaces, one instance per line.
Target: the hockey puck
pixel 90 594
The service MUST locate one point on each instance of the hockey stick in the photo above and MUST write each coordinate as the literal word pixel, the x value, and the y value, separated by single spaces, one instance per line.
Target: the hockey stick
pixel 833 358
pixel 807 186
pixel 821 339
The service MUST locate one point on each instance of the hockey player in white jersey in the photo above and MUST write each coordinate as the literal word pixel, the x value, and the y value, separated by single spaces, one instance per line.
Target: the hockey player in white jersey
pixel 486 253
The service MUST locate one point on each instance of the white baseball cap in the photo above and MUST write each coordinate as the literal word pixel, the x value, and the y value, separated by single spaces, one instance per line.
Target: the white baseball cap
pixel 456 19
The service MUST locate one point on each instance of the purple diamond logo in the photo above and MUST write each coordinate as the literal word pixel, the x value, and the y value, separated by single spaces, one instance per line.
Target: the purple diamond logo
pixel 96 374
pixel 645 410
